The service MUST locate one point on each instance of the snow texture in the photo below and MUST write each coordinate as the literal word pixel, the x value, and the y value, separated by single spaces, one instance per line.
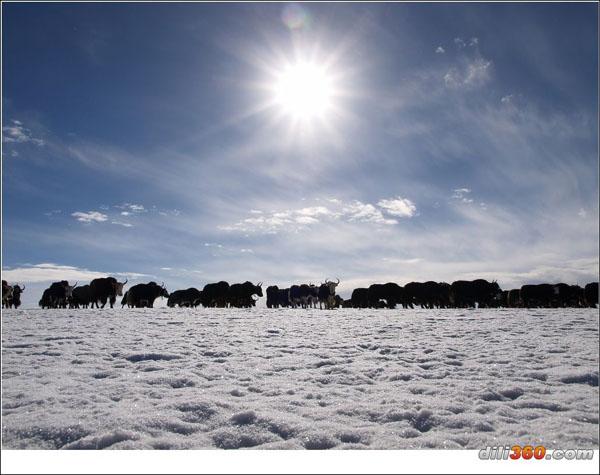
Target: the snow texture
pixel 299 379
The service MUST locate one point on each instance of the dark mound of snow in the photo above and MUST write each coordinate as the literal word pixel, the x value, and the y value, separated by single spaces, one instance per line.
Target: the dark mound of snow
pixel 134 358
pixel 243 418
pixel 318 441
pixel 103 441
pixel 590 378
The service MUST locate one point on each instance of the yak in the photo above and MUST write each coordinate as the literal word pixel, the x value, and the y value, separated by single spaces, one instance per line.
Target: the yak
pixel 59 294
pixel 464 293
pixel 386 295
pixel 13 298
pixel 215 295
pixel 143 295
pixel 272 296
pixel 241 295
pixel 106 288
pixel 82 296
pixel 540 295
pixel 185 298
pixel 326 294
pixel 590 292
pixel 303 295
pixel 7 291
pixel 514 298
pixel 360 298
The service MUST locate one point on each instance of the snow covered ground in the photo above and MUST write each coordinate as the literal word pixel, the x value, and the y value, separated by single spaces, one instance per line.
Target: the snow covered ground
pixel 215 378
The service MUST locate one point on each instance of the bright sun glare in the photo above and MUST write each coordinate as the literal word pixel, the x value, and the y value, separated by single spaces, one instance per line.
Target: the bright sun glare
pixel 304 91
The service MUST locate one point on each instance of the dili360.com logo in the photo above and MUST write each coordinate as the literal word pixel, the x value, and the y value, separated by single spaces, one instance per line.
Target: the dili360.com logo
pixel 529 452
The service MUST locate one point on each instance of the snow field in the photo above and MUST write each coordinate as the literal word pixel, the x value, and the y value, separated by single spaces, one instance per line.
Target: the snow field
pixel 299 379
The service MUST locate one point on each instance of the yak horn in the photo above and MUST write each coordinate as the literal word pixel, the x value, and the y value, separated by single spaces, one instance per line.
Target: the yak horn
pixel 338 280
pixel 126 280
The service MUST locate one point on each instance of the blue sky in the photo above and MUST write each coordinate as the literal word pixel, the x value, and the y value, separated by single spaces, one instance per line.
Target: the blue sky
pixel 141 141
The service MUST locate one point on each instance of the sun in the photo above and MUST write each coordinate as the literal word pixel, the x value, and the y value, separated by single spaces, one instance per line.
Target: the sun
pixel 304 91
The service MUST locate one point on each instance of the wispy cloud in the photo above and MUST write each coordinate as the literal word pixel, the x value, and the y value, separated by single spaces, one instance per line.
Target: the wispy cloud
pixel 462 194
pixel 133 211
pixel 357 211
pixel 18 133
pixel 51 272
pixel 90 216
pixel 440 50
pixel 463 43
pixel 401 207
pixel 295 220
pixel 122 223
pixel 131 208
pixel 472 73
pixel 459 42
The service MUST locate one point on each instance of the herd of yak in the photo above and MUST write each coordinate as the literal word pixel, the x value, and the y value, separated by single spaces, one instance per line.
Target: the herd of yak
pixel 460 294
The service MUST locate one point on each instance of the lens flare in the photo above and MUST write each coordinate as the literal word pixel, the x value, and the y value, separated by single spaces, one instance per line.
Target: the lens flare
pixel 294 16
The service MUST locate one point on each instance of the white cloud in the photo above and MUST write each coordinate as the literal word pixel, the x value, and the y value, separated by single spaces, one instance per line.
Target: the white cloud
pixel 582 213
pixel 314 211
pixel 471 70
pixel 462 194
pixel 131 207
pixel 53 212
pixel 121 223
pixel 473 73
pixel 50 272
pixel 16 133
pixel 440 50
pixel 453 78
pixel 401 207
pixel 513 101
pixel 295 220
pixel 478 72
pixel 306 220
pixel 459 42
pixel 125 213
pixel 367 213
pixel 90 216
